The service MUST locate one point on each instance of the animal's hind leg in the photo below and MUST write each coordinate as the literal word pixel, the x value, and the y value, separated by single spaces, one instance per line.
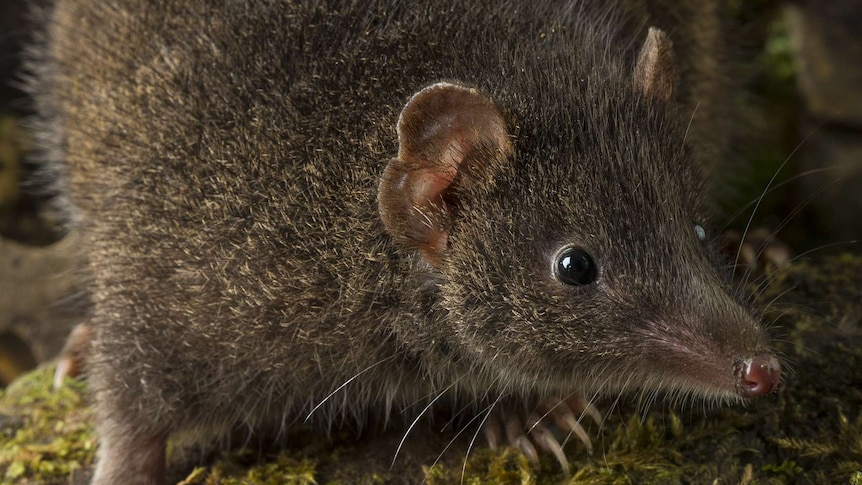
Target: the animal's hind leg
pixel 128 456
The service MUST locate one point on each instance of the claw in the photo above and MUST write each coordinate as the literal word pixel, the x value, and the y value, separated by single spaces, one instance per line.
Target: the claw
pixel 563 414
pixel 72 358
pixel 547 442
pixel 516 437
pixel 542 432
pixel 776 254
pixel 585 408
pixel 493 433
pixel 64 369
pixel 523 443
pixel 566 420
pixel 768 250
pixel 758 248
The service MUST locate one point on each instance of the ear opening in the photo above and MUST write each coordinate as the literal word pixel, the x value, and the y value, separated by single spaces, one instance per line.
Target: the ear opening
pixel 440 130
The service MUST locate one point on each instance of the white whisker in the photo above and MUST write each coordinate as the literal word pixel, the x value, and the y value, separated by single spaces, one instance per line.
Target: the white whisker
pixel 768 185
pixel 808 200
pixel 542 417
pixel 825 246
pixel 463 428
pixel 348 381
pixel 478 430
pixel 771 302
pixel 410 428
pixel 773 188
pixel 687 128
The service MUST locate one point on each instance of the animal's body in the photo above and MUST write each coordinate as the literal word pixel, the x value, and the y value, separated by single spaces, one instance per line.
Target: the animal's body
pixel 467 199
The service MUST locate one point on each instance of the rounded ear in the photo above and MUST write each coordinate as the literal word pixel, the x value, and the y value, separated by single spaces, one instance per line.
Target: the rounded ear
pixel 655 72
pixel 443 130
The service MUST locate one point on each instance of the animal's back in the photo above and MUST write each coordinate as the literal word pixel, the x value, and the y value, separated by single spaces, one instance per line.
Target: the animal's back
pixel 229 194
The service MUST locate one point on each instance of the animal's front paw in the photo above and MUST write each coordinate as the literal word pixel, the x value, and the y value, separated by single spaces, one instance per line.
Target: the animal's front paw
pixel 757 249
pixel 73 357
pixel 539 430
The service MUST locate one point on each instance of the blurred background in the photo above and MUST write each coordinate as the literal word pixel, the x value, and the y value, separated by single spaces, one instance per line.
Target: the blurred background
pixel 802 148
pixel 41 286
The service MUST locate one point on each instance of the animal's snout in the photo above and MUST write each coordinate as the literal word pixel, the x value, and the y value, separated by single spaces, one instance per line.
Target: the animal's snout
pixel 758 375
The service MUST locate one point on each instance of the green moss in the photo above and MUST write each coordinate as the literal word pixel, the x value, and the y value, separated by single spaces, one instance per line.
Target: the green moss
pixel 284 470
pixel 47 434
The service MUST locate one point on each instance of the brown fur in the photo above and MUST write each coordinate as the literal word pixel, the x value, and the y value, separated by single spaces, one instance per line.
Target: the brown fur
pixel 226 160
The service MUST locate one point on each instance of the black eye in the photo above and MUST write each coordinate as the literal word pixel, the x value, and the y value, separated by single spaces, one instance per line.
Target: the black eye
pixel 575 267
pixel 700 232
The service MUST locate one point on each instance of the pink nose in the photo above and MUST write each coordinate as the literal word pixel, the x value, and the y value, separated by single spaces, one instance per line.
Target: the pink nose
pixel 758 375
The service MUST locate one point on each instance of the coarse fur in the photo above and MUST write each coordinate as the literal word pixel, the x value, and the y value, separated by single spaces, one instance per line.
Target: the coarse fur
pixel 225 164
